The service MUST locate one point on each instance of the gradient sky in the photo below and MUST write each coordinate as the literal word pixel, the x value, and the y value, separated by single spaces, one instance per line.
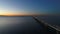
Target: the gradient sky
pixel 28 7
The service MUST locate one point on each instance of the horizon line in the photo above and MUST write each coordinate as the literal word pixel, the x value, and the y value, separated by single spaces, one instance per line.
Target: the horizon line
pixel 28 15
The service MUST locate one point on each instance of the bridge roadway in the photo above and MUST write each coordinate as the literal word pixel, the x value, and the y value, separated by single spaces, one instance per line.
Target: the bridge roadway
pixel 48 29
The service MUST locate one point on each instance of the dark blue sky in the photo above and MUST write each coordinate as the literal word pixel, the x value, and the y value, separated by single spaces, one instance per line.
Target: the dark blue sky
pixel 30 6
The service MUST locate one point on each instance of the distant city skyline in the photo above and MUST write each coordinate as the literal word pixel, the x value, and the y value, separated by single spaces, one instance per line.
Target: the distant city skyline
pixel 29 7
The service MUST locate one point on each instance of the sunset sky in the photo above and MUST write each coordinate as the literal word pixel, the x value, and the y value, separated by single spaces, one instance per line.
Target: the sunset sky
pixel 29 7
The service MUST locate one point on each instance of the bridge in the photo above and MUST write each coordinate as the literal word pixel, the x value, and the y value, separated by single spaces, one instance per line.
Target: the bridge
pixel 47 28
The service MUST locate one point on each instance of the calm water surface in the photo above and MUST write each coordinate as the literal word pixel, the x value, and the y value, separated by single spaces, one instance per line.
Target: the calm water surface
pixel 25 25
pixel 22 25
pixel 53 20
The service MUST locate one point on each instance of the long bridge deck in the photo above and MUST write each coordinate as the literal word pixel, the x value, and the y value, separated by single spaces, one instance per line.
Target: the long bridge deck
pixel 26 25
pixel 48 29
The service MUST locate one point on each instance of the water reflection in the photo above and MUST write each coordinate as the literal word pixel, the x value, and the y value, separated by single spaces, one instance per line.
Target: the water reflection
pixel 19 25
pixel 53 20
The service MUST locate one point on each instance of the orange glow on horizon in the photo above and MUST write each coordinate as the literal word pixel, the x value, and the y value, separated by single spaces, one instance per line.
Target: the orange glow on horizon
pixel 14 14
pixel 11 14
